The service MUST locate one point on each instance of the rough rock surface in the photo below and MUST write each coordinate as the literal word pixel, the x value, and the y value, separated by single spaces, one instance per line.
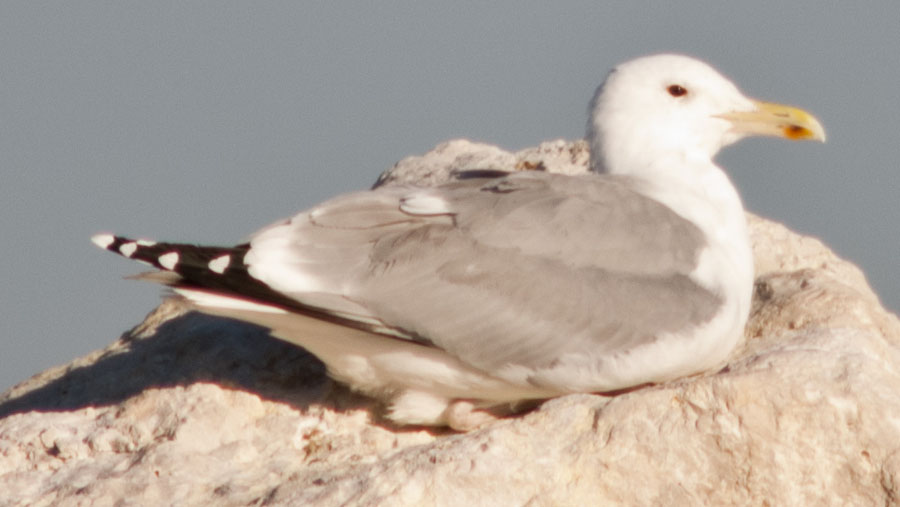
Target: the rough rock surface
pixel 188 409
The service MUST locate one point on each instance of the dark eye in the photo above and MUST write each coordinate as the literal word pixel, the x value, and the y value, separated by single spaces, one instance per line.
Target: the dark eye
pixel 677 90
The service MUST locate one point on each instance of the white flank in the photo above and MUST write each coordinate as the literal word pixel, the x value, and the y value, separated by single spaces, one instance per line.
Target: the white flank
pixel 169 260
pixel 219 264
pixel 103 240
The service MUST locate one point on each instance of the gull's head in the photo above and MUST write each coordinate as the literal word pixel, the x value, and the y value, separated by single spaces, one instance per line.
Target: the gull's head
pixel 665 109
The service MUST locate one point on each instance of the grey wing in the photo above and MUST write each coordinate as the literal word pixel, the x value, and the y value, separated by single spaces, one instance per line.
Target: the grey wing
pixel 508 272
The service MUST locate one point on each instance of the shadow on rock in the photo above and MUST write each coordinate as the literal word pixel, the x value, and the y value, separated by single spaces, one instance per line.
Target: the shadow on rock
pixel 175 349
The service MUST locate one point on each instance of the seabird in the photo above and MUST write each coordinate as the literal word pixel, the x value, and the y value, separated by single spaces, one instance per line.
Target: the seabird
pixel 456 303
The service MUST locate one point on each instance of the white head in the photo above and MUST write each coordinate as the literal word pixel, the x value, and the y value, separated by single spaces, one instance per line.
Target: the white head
pixel 673 107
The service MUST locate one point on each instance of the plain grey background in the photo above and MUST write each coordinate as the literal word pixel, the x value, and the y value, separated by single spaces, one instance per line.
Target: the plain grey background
pixel 203 121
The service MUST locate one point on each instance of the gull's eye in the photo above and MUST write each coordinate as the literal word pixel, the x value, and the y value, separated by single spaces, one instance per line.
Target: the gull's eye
pixel 677 90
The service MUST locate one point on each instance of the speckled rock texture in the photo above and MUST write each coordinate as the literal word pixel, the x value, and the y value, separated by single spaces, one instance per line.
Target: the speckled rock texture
pixel 187 409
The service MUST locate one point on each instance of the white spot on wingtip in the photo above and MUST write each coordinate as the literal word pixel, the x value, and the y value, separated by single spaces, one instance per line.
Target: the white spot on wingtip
pixel 128 249
pixel 168 260
pixel 103 240
pixel 145 242
pixel 219 264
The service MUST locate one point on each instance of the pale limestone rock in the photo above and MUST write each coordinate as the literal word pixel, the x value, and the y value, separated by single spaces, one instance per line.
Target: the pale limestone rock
pixel 187 409
pixel 459 155
pixel 452 156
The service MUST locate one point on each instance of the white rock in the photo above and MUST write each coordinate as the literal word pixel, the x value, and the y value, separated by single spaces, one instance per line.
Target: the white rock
pixel 188 409
pixel 436 166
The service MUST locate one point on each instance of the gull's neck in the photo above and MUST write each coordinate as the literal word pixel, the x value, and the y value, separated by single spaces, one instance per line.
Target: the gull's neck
pixel 694 187
pixel 671 165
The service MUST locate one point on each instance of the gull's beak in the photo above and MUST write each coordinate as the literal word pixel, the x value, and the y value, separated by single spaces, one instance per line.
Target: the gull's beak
pixel 776 120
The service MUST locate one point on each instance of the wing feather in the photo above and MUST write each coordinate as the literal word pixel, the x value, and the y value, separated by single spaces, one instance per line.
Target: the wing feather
pixel 517 271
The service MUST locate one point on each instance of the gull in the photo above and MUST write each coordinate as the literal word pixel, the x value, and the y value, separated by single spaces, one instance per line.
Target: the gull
pixel 459 303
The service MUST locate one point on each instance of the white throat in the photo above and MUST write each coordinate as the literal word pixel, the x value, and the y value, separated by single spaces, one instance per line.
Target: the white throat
pixel 701 192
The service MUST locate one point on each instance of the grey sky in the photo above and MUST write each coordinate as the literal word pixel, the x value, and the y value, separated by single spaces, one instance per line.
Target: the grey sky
pixel 203 121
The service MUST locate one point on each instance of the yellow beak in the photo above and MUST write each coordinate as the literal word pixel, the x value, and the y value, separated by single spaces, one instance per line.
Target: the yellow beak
pixel 776 120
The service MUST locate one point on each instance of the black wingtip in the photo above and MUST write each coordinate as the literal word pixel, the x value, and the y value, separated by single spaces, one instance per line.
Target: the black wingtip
pixel 178 257
pixel 213 269
pixel 135 249
pixel 187 265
